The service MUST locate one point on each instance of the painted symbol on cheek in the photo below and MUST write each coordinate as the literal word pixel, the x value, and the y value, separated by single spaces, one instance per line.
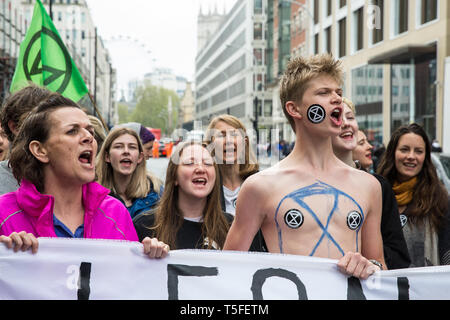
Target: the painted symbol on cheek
pixel 293 219
pixel 316 113
pixel 354 220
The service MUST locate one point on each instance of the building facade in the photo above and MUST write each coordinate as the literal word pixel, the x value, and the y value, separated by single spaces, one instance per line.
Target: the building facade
pixel 74 23
pixel 231 70
pixel 395 57
pixel 13 26
pixel 207 24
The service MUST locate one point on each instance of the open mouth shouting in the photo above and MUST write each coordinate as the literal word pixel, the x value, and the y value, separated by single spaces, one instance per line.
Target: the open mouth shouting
pixel 126 162
pixel 87 158
pixel 200 182
pixel 336 116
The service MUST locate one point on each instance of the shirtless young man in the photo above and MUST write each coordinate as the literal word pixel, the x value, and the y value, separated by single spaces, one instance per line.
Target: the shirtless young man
pixel 312 203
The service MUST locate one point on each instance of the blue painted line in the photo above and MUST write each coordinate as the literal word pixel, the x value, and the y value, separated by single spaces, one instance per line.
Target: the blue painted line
pixel 319 188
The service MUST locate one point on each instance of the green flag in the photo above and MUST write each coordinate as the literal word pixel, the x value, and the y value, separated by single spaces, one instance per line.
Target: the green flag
pixel 44 60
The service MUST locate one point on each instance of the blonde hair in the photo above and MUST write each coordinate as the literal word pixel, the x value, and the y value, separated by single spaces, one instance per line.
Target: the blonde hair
pixel 99 130
pixel 250 165
pixel 141 179
pixel 350 104
pixel 300 71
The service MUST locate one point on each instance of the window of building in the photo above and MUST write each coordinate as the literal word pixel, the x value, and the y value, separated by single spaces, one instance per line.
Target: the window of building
pixel 316 11
pixel 414 91
pixel 327 39
pixel 316 43
pixel 258 6
pixel 400 16
pixel 257 31
pixel 428 10
pixel 342 46
pixel 342 3
pixel 358 29
pixel 377 32
pixel 328 8
pixel 368 100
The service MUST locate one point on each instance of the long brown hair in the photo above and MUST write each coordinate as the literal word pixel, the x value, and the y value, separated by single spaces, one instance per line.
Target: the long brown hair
pixel 139 185
pixel 169 218
pixel 250 165
pixel 430 198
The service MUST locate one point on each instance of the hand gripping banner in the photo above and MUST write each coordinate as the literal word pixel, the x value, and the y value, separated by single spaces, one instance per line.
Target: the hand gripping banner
pixel 102 269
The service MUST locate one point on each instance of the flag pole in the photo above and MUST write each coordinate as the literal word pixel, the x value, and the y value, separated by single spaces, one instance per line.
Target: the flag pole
pixel 98 114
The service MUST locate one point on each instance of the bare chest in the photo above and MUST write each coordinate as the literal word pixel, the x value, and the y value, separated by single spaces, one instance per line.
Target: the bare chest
pixel 316 219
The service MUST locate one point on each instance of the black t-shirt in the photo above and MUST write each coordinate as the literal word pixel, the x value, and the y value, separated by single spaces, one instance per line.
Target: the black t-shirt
pixel 190 234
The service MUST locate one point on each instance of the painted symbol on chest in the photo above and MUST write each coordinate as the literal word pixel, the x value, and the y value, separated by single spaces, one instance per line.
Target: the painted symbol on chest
pixel 354 220
pixel 302 197
pixel 293 218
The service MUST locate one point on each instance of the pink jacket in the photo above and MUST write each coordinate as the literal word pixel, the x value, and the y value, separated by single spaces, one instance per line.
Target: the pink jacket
pixel 28 210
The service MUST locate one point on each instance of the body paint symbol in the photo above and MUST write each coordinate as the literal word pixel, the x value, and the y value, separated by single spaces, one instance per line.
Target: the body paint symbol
pixel 316 113
pixel 318 188
pixel 354 220
pixel 293 218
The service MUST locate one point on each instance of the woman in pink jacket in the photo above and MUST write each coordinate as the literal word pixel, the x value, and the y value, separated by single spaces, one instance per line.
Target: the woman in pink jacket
pixel 53 158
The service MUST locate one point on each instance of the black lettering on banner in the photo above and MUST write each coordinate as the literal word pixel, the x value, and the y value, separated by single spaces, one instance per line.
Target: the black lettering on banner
pixel 175 270
pixel 403 288
pixel 354 289
pixel 84 289
pixel 262 275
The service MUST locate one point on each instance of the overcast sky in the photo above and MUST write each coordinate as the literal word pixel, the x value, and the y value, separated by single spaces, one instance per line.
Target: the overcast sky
pixel 167 28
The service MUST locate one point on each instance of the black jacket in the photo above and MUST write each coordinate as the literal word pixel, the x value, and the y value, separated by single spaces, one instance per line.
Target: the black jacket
pixel 395 249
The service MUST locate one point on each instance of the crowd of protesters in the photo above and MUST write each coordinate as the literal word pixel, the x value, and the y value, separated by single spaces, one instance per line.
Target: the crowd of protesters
pixel 64 175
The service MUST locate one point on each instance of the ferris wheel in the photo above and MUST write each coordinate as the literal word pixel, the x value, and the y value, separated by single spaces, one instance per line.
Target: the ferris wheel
pixel 132 58
pixel 127 39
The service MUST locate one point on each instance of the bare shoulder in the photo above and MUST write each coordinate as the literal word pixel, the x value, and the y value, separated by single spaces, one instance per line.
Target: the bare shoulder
pixel 257 183
pixel 365 178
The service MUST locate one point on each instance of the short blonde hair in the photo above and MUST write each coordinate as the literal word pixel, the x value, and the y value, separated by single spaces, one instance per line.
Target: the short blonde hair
pixel 350 104
pixel 300 71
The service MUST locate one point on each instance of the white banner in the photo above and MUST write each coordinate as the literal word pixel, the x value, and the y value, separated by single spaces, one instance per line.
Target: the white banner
pixel 101 269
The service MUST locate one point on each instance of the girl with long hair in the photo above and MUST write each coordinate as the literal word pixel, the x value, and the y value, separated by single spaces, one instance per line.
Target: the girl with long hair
pixel 422 199
pixel 189 214
pixel 227 137
pixel 121 168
